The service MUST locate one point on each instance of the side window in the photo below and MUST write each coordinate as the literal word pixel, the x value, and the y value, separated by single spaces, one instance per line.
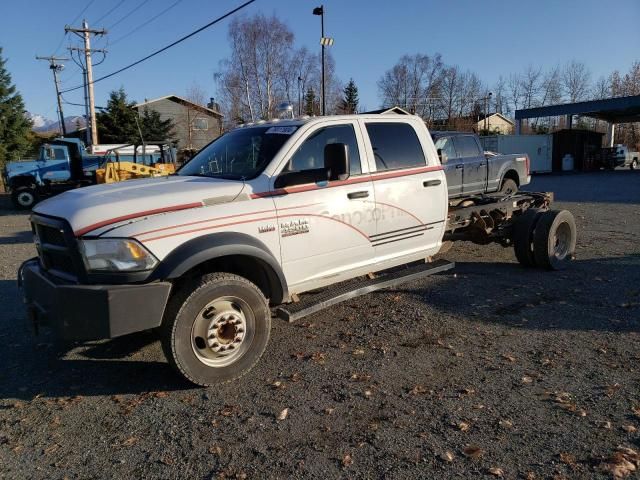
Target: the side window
pixel 445 145
pixel 395 145
pixel 310 155
pixel 59 153
pixel 466 146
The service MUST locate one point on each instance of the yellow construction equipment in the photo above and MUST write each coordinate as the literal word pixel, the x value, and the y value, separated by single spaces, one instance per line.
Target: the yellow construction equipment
pixel 119 171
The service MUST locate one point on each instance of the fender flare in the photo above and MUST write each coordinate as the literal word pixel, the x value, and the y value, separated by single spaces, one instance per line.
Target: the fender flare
pixel 216 245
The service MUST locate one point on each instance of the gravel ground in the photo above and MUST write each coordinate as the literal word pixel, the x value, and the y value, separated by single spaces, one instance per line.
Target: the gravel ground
pixel 493 371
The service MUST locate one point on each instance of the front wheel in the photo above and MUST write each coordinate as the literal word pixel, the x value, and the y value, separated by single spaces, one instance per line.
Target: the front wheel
pixel 634 164
pixel 216 328
pixel 24 198
pixel 509 186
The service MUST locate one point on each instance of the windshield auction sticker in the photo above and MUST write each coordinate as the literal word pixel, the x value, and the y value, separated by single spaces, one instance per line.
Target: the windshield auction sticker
pixel 282 130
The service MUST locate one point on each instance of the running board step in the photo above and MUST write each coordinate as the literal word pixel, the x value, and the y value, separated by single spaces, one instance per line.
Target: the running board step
pixel 312 303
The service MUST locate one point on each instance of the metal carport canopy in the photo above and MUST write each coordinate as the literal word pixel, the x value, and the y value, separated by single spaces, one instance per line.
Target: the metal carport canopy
pixel 613 110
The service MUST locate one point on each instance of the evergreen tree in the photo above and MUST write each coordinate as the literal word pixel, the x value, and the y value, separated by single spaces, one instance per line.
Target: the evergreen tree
pixel 349 102
pixel 15 127
pixel 117 124
pixel 154 128
pixel 309 102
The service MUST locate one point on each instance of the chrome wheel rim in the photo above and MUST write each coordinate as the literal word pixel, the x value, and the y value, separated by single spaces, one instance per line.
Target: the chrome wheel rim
pixel 222 331
pixel 562 241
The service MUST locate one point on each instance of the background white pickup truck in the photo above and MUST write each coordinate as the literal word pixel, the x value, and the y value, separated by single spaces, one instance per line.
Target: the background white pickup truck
pixel 261 215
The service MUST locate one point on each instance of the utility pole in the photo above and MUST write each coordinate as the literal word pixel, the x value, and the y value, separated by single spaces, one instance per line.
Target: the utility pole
pixel 55 68
pixel 85 33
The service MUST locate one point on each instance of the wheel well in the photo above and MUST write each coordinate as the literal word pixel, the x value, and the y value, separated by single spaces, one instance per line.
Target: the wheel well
pixel 22 181
pixel 513 175
pixel 253 269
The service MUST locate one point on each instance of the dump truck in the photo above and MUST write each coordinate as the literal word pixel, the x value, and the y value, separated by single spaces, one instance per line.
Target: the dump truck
pixel 65 163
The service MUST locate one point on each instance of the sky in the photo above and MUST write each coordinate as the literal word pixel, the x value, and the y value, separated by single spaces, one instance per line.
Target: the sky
pixel 490 37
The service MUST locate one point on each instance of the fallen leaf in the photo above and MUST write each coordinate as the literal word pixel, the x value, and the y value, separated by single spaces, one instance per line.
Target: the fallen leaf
pixel 358 351
pixel 473 451
pixel 129 442
pixel 215 449
pixel 629 428
pixel 463 426
pixel 567 458
pixel 636 411
pixel 52 449
pixel 418 390
pixel 161 394
pixel 283 414
pixel 505 423
pixel 447 456
pixel 496 472
pixel 347 460
pixel 527 380
pixel 621 463
pixel 510 358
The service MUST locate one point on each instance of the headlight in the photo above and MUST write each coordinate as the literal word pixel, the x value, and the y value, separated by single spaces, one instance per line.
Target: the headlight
pixel 116 255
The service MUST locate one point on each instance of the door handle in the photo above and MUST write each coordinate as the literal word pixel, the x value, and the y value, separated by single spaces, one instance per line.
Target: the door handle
pixel 431 183
pixel 459 166
pixel 354 195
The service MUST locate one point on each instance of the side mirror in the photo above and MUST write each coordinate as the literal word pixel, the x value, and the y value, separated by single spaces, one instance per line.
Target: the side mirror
pixel 336 161
pixel 289 179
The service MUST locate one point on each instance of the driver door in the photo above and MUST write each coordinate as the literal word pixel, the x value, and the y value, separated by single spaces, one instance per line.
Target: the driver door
pixel 325 227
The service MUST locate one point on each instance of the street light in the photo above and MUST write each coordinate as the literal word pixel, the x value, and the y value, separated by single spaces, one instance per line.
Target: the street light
pixel 299 96
pixel 486 112
pixel 324 41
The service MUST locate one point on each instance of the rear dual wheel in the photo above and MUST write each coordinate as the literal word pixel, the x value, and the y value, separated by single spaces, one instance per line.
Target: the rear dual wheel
pixel 545 239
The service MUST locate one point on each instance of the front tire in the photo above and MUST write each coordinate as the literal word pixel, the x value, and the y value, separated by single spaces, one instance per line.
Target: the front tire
pixel 509 186
pixel 634 164
pixel 24 198
pixel 216 328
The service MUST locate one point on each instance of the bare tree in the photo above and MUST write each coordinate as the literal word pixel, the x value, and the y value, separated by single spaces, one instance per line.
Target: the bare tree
pixel 601 89
pixel 514 85
pixel 413 83
pixel 530 86
pixel 499 91
pixel 575 80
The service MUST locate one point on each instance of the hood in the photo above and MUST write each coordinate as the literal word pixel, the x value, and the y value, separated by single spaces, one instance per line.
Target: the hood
pixel 91 208
pixel 21 167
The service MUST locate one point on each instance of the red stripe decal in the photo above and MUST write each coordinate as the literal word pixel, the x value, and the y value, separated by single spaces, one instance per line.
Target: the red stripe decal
pixel 350 181
pixel 226 217
pixel 256 220
pixel 130 216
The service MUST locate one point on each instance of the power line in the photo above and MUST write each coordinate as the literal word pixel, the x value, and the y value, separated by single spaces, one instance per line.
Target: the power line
pixel 124 17
pixel 109 12
pixel 147 22
pixel 180 40
pixel 72 22
pixel 81 12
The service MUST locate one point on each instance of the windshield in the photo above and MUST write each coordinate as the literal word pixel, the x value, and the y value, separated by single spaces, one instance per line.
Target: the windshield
pixel 240 154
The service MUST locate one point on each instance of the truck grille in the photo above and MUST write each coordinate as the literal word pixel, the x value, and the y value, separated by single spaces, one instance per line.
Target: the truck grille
pixel 57 247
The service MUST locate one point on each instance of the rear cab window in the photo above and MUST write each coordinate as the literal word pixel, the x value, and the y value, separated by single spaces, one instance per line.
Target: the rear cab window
pixel 395 145
pixel 467 147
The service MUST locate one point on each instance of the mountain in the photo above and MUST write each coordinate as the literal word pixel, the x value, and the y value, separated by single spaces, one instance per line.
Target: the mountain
pixel 41 124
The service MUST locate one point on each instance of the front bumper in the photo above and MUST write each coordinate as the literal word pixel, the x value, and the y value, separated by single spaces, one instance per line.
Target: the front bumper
pixel 90 312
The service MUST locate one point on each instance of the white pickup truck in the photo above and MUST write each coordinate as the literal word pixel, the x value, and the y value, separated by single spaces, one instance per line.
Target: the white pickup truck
pixel 261 215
